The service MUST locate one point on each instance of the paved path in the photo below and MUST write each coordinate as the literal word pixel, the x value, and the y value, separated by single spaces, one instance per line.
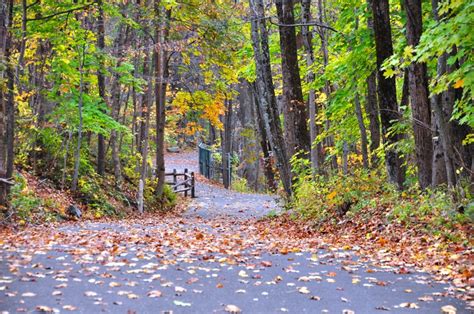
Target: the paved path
pixel 212 259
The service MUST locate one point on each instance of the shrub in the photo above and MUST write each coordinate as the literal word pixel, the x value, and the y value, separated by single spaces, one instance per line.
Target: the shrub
pixel 240 185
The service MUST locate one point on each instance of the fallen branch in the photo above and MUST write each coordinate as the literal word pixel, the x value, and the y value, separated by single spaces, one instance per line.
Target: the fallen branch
pixel 7 181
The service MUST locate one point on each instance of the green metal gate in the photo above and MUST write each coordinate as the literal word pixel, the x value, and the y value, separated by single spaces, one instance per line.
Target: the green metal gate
pixel 204 160
pixel 210 168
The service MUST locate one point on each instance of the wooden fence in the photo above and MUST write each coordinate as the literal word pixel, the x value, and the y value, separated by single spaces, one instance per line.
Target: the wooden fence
pixel 182 182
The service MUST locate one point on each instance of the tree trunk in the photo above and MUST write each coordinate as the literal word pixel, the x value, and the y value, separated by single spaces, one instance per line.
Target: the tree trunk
pixel 7 113
pixel 266 93
pixel 101 86
pixel 363 132
pixel 77 153
pixel 144 106
pixel 264 142
pixel 345 154
pixel 440 108
pixel 315 151
pixel 327 88
pixel 387 91
pixel 373 113
pixel 161 75
pixel 420 104
pixel 371 104
pixel 439 174
pixel 296 115
pixel 145 138
pixel 227 144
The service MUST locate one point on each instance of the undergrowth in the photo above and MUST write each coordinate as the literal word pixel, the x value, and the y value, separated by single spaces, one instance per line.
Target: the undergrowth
pixel 364 194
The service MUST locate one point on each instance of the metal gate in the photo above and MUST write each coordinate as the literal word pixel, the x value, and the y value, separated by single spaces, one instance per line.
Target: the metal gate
pixel 204 160
pixel 210 168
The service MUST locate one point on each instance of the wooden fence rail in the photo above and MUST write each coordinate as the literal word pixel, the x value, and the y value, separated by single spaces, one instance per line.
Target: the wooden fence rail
pixel 186 185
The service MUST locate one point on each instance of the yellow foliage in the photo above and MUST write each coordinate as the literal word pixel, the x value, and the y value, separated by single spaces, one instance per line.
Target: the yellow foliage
pixel 207 106
pixel 331 195
pixel 459 84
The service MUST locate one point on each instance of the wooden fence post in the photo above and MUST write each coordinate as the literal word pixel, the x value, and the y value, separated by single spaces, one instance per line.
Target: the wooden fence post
pixel 186 185
pixel 193 184
pixel 174 180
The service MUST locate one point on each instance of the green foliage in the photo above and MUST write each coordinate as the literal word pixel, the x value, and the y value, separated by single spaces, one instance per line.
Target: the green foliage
pixel 95 197
pixel 437 210
pixel 152 202
pixel 328 199
pixel 240 185
pixel 28 207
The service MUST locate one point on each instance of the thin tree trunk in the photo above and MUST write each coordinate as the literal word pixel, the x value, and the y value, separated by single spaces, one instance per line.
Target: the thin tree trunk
pixel 345 154
pixel 264 143
pixel 66 152
pixel 21 58
pixel 363 132
pixel 161 75
pixel 312 108
pixel 327 88
pixel 101 86
pixel 442 120
pixel 420 104
pixel 387 91
pixel 116 104
pixel 266 93
pixel 7 117
pixel 227 143
pixel 77 154
pixel 145 140
pixel 147 70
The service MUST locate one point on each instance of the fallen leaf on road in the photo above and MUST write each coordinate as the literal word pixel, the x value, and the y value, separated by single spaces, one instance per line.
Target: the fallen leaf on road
pixel 382 308
pixel 192 280
pixel 243 274
pixel 154 294
pixel 409 305
pixel 180 303
pixel 230 308
pixel 448 309
pixel 46 309
pixel 426 298
pixel 90 294
pixel 266 263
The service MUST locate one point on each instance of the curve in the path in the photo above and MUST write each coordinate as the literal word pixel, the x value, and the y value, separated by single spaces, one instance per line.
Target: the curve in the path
pixel 212 257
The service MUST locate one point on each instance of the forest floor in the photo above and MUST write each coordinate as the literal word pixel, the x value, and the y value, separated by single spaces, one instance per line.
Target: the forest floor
pixel 220 254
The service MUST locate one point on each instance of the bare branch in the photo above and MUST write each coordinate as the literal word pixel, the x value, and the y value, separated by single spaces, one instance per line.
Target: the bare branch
pixel 7 181
pixel 310 23
pixel 59 13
